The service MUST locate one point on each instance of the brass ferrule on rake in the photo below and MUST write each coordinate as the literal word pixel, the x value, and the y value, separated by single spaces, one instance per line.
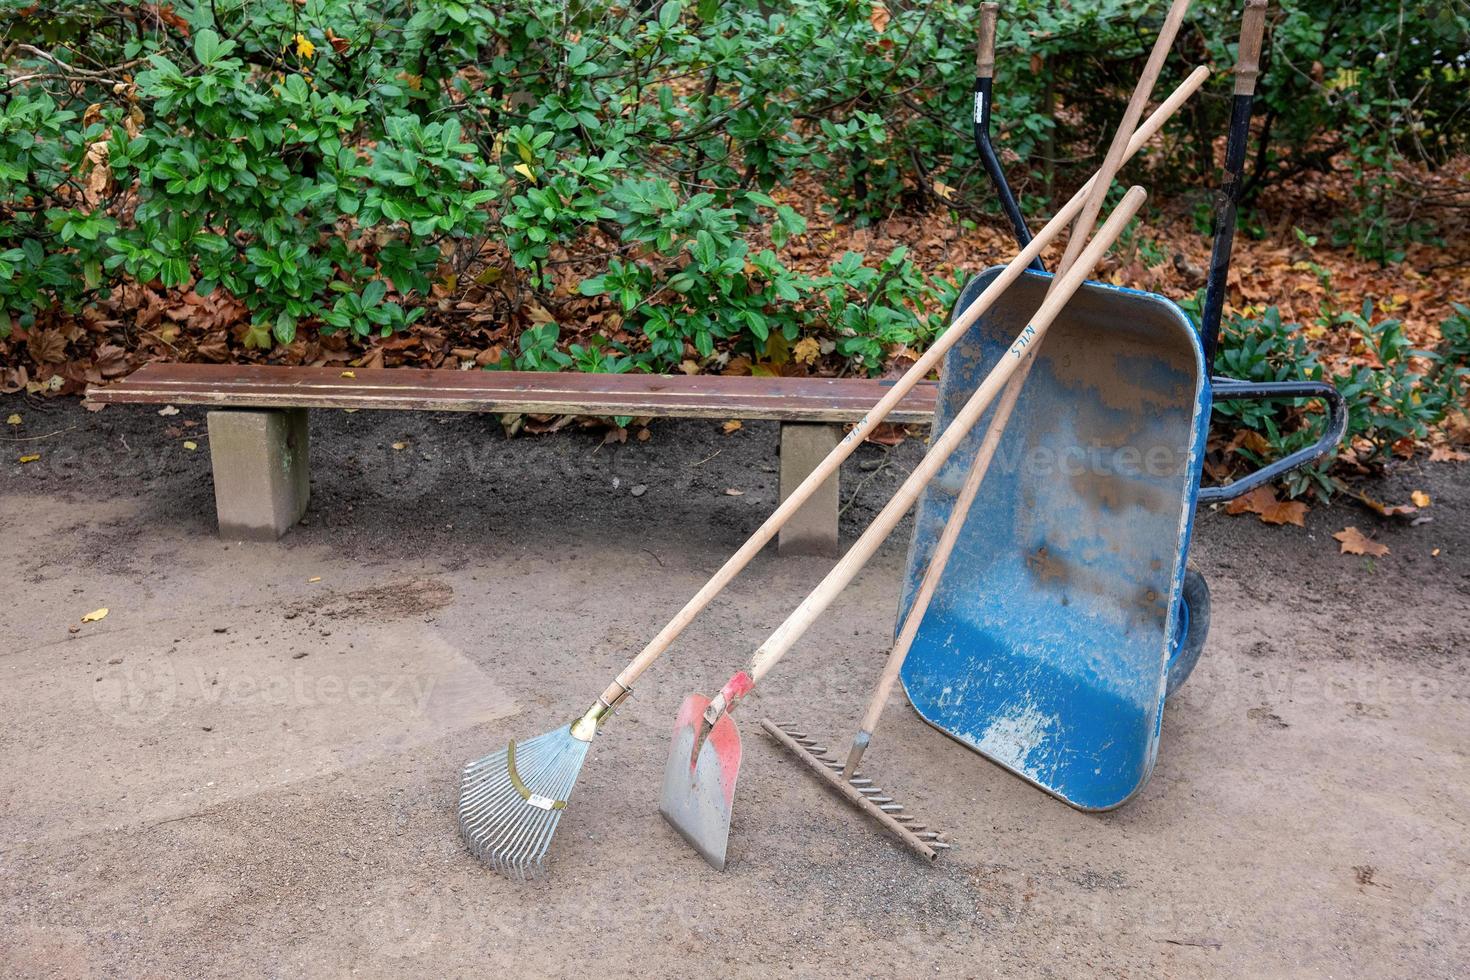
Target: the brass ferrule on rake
pixel 596 716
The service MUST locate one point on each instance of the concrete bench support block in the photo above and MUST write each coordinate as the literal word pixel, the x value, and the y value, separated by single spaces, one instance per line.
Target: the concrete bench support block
pixel 813 530
pixel 261 483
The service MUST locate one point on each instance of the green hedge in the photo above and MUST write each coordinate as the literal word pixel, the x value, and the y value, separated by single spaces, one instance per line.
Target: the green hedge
pixel 327 163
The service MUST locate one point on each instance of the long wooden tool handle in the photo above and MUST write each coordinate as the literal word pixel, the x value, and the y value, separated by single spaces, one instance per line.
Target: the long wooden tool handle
pixel 921 368
pixel 944 546
pixel 1118 150
pixel 779 642
pixel 940 557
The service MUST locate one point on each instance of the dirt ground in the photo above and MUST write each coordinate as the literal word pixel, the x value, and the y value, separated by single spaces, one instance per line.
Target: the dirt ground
pixel 244 770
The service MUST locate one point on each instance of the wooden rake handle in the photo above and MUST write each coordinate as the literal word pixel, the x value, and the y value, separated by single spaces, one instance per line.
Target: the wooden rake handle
pixel 1118 149
pixel 786 635
pixel 926 363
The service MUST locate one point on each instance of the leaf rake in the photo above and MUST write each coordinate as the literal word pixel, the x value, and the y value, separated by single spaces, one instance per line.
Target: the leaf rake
pixel 511 801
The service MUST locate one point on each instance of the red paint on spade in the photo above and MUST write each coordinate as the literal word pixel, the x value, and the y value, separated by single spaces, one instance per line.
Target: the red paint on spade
pixel 690 712
pixel 737 687
pixel 724 739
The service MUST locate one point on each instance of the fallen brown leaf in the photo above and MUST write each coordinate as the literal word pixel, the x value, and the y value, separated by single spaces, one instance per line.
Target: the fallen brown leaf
pixel 887 434
pixel 112 360
pixel 1286 512
pixel 47 347
pixel 1251 503
pixel 372 359
pixel 1249 439
pixel 1379 507
pixel 1354 542
pixel 98 174
pixel 878 16
pixel 1263 503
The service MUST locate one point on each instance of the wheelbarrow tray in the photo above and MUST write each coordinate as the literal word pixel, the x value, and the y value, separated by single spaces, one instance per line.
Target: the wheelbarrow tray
pixel 1046 645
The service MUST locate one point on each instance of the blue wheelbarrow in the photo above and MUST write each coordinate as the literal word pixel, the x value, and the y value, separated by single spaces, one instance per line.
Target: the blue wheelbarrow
pixel 1067 612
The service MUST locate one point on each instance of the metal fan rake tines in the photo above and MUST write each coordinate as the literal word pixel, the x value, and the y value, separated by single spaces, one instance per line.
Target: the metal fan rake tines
pixel 859 790
pixel 511 801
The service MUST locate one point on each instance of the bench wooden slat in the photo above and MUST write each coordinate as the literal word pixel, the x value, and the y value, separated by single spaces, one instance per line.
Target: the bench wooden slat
pixel 699 396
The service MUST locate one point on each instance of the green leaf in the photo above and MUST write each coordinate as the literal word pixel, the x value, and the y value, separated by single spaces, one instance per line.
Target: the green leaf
pixel 207 47
pixel 258 337
pixel 285 328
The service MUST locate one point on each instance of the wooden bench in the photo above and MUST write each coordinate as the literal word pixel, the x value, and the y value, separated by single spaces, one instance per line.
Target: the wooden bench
pixel 259 449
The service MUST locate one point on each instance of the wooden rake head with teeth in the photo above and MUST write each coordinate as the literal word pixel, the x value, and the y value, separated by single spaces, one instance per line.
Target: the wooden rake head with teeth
pixel 859 790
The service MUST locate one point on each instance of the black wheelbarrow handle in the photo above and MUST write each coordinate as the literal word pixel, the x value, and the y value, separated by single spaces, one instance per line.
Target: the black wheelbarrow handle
pixel 984 83
pixel 1228 389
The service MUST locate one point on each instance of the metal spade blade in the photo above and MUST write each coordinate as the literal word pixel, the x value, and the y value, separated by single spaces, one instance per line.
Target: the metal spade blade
pixel 699 787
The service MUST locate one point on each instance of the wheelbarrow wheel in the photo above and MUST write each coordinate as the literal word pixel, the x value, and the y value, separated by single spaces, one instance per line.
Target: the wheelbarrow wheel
pixel 1196 616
